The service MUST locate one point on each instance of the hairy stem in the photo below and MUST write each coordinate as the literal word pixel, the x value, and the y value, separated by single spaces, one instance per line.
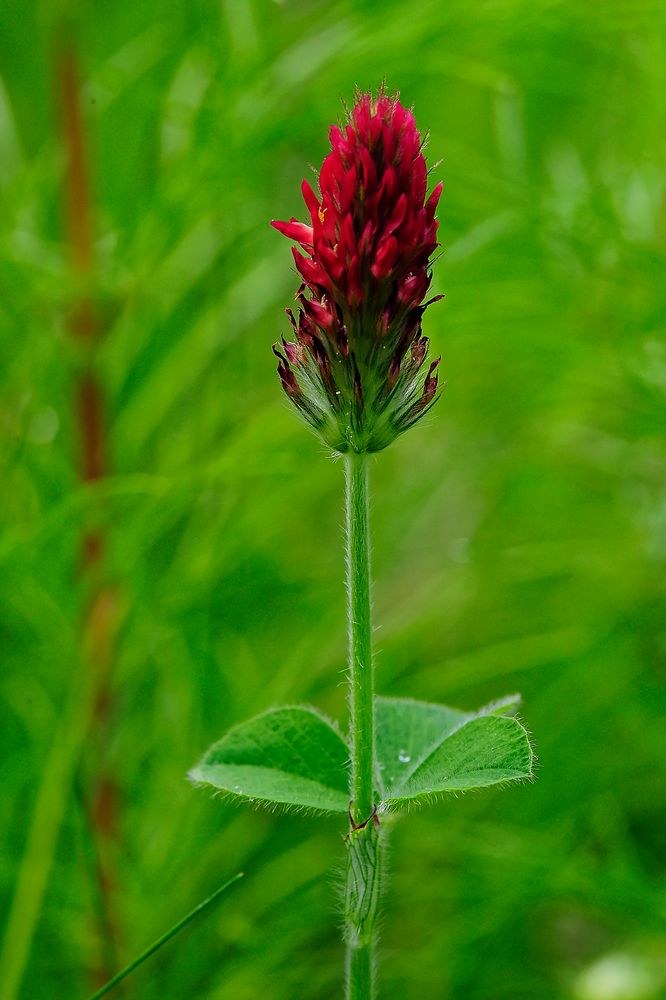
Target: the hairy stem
pixel 360 973
pixel 361 677
pixel 363 842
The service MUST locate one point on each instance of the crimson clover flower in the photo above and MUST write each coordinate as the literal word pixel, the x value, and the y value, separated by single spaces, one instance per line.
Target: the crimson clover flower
pixel 356 368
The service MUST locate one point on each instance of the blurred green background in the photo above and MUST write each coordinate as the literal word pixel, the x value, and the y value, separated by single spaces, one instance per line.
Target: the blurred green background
pixel 519 535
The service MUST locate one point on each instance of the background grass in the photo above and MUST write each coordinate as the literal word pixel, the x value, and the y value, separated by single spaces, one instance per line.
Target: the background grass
pixel 519 537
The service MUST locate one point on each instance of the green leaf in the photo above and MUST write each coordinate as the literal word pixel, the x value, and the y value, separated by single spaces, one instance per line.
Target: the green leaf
pixel 424 750
pixel 405 731
pixel 292 756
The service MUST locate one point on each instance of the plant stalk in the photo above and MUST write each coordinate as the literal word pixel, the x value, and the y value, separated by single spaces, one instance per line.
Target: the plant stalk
pixel 100 614
pixel 363 841
pixel 361 677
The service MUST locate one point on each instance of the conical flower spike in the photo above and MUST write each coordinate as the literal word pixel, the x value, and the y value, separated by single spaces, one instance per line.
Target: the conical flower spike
pixel 358 368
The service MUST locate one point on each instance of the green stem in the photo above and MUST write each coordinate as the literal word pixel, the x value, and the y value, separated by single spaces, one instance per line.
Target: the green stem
pixel 361 675
pixel 360 972
pixel 363 842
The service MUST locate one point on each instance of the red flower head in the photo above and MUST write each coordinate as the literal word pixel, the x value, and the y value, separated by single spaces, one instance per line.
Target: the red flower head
pixel 356 367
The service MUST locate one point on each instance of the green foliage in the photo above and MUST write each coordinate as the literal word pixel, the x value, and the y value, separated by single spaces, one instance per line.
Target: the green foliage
pixel 482 752
pixel 425 749
pixel 405 731
pixel 290 756
pixel 519 534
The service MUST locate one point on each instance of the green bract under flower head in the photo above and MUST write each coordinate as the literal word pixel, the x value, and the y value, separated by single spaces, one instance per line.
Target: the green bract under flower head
pixel 358 368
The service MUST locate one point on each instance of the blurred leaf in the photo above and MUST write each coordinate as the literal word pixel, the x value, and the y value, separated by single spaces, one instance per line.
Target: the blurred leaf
pixel 291 756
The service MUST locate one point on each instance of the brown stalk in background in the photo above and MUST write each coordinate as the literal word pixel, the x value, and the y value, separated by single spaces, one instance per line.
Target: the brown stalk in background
pixel 99 610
